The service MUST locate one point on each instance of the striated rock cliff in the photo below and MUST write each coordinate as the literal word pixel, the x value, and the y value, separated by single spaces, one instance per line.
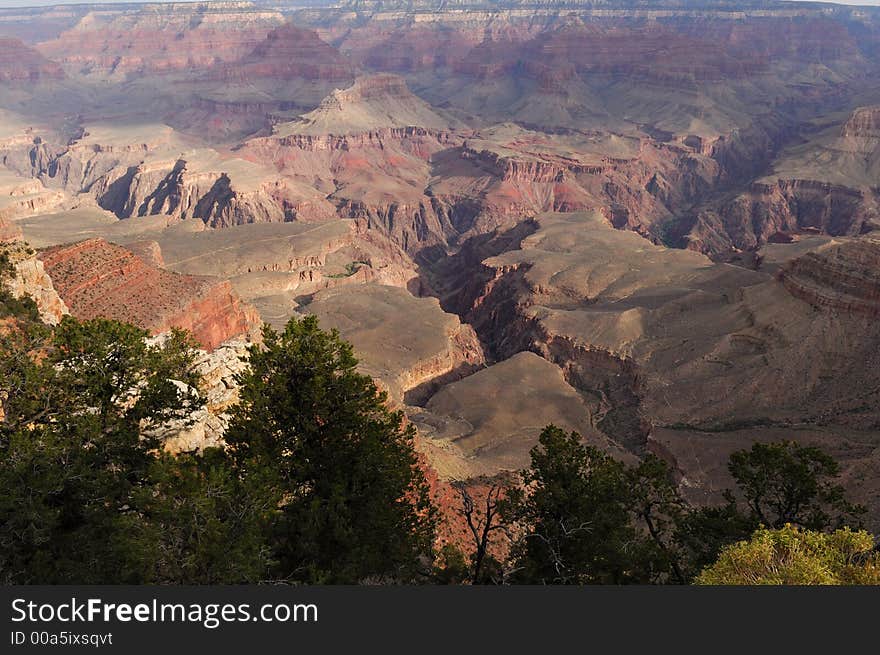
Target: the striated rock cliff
pixel 20 64
pixel 436 347
pixel 288 52
pixel 161 38
pixel 30 279
pixel 96 278
pixel 786 207
pixel 863 123
pixel 844 278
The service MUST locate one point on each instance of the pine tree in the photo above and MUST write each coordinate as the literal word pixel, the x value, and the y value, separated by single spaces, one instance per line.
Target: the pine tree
pixel 319 436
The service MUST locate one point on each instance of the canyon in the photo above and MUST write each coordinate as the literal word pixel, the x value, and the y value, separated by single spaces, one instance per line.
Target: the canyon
pixel 652 223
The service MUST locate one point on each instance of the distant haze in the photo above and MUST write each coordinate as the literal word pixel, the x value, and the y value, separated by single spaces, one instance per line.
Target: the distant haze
pixel 5 4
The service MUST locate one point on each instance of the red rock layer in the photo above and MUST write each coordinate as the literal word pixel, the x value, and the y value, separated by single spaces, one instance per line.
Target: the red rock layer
pixel 288 52
pixel 658 53
pixel 9 231
pixel 162 39
pixel 19 63
pixel 99 279
pixel 547 47
pixel 845 278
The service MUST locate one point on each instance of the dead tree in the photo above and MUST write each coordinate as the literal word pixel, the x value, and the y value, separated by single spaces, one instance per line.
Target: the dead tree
pixel 482 522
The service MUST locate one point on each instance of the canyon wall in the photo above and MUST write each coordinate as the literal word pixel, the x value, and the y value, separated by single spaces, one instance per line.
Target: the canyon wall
pixel 99 279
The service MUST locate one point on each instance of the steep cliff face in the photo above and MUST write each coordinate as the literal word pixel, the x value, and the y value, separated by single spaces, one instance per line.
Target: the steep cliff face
pixel 158 175
pixel 8 231
pixel 20 64
pixel 211 195
pixel 161 38
pixel 657 53
pixel 288 52
pixel 863 123
pixel 788 207
pixel 30 279
pixel 600 38
pixel 96 278
pixel 842 278
pixel 824 183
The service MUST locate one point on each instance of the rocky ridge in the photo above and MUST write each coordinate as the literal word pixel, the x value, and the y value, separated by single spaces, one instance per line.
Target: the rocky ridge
pixel 96 278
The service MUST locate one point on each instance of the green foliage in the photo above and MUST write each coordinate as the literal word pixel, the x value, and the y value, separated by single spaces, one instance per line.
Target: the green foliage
pixel 588 519
pixel 451 566
pixel 318 436
pixel 350 269
pixel 701 533
pixel 200 523
pixel 64 511
pixel 24 309
pixel 578 509
pixel 795 556
pixel 27 389
pixel 109 368
pixel 788 483
pixel 73 459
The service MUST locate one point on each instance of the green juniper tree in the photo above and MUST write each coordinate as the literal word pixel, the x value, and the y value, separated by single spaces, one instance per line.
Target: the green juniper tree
pixel 789 483
pixel 575 508
pixel 318 436
pixel 73 456
pixel 200 523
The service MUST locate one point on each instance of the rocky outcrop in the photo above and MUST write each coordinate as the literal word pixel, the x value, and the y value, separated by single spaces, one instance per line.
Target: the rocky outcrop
pixel 787 207
pixel 20 64
pixel 13 207
pixel 841 278
pixel 9 231
pixel 98 279
pixel 162 38
pixel 153 177
pixel 864 123
pixel 288 52
pixel 218 389
pixel 373 102
pixel 30 279
pixel 437 347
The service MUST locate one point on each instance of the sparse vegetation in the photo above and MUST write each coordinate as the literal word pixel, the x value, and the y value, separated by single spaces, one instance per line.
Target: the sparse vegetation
pixel 794 556
pixel 350 269
pixel 320 483
pixel 23 308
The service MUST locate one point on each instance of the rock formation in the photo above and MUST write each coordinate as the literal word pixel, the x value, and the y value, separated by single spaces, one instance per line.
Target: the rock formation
pixel 288 52
pixel 205 427
pixel 437 346
pixel 161 38
pixel 656 219
pixel 96 278
pixel 30 279
pixel 20 64
pixel 843 278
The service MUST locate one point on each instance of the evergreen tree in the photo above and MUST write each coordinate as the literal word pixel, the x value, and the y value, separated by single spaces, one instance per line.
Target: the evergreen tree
pixel 575 509
pixel 319 437
pixel 72 454
pixel 199 523
pixel 789 483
